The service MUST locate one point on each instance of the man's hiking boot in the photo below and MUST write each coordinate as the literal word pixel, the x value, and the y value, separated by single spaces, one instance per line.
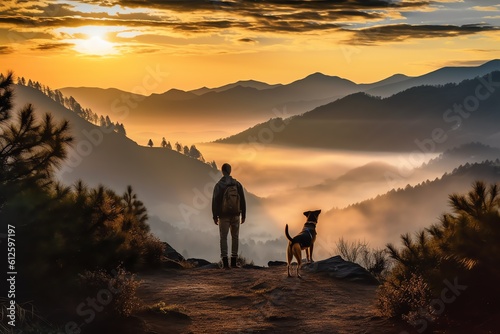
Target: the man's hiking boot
pixel 233 262
pixel 225 263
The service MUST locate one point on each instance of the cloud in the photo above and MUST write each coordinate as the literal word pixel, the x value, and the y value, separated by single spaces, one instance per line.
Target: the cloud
pixel 53 46
pixel 267 18
pixel 266 15
pixel 5 50
pixel 485 8
pixel 247 40
pixel 263 5
pixel 402 32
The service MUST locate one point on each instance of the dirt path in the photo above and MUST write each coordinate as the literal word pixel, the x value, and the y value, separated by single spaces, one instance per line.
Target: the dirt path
pixel 259 301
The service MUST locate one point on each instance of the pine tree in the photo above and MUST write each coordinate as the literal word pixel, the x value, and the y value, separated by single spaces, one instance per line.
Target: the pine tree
pixel 150 143
pixel 195 153
pixel 102 121
pixel 30 149
pixel 120 128
pixel 135 213
pixel 108 122
pixel 470 236
pixel 163 143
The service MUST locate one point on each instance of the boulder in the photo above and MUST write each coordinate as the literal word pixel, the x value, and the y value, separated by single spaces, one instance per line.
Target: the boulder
pixel 171 264
pixel 276 263
pixel 198 262
pixel 172 254
pixel 337 267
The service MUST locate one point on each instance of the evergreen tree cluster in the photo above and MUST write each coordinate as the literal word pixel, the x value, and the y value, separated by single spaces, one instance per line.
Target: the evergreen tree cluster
pixel 449 271
pixel 191 152
pixel 64 232
pixel 71 104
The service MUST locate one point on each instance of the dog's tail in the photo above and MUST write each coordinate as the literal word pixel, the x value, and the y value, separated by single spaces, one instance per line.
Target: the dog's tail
pixel 287 234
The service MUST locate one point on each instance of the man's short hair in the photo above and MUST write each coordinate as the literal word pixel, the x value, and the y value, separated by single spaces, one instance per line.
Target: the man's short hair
pixel 226 169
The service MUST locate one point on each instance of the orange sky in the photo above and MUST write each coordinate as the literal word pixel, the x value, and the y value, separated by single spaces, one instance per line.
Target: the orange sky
pixel 152 46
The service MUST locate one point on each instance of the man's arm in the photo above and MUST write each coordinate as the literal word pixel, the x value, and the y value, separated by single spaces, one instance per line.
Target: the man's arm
pixel 215 206
pixel 243 204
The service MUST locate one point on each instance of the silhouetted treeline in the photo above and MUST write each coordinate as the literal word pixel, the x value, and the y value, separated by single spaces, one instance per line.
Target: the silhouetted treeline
pixel 71 104
pixel 191 152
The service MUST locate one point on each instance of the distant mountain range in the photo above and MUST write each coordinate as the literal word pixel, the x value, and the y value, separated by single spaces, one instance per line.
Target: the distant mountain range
pixel 236 106
pixel 243 83
pixel 442 76
pixel 428 119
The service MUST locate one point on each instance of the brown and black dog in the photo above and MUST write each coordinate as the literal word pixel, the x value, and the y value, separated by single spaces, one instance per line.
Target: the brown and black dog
pixel 304 240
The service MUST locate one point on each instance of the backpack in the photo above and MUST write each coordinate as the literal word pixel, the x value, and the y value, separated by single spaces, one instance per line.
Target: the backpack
pixel 231 201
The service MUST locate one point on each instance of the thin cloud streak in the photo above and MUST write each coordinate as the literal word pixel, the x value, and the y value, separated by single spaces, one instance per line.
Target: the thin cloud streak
pixel 402 32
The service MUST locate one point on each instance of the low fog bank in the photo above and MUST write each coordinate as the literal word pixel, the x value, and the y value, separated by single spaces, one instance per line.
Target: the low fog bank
pixel 293 180
pixel 288 181
pixel 367 197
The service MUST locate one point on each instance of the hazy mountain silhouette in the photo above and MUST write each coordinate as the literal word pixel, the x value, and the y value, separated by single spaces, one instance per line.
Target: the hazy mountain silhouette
pixel 393 79
pixel 177 94
pixel 243 100
pixel 243 83
pixel 248 102
pixel 108 101
pixel 468 153
pixel 441 76
pixel 406 121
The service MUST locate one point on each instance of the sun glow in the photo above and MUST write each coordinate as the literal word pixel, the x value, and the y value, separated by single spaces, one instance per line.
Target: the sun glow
pixel 91 40
pixel 95 45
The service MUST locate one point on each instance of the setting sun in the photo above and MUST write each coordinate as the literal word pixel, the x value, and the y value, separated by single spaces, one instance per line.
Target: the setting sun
pixel 96 46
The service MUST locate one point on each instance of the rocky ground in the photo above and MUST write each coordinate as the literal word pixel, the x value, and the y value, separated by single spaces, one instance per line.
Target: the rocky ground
pixel 259 300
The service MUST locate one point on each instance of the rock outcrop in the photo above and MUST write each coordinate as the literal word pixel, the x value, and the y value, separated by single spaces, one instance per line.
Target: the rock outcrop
pixel 337 267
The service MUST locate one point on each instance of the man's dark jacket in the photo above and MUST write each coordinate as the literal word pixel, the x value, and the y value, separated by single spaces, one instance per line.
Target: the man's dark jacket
pixel 219 189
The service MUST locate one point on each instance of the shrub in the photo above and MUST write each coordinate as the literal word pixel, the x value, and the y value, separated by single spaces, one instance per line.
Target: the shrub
pixel 117 291
pixel 241 261
pixel 28 320
pixel 153 250
pixel 376 261
pixel 410 299
pixel 464 247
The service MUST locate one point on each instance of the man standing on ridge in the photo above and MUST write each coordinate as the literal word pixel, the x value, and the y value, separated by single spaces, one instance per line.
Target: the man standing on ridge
pixel 228 203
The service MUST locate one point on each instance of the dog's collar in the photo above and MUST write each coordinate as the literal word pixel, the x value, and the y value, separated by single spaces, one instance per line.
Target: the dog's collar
pixel 311 222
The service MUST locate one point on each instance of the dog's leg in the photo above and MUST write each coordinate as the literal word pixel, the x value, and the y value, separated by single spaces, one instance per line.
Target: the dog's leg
pixel 311 253
pixel 289 256
pixel 297 252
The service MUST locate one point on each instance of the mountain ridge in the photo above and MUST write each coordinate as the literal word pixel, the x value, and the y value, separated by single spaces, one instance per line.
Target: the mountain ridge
pixel 247 105
pixel 363 122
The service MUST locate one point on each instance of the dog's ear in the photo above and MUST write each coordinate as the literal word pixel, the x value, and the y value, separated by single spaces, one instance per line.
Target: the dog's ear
pixel 312 215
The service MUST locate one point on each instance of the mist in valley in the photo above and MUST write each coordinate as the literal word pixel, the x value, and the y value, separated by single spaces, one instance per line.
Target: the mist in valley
pixel 366 196
pixel 285 183
pixel 369 195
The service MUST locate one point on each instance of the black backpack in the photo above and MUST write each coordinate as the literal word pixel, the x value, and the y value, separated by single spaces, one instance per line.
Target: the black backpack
pixel 231 200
